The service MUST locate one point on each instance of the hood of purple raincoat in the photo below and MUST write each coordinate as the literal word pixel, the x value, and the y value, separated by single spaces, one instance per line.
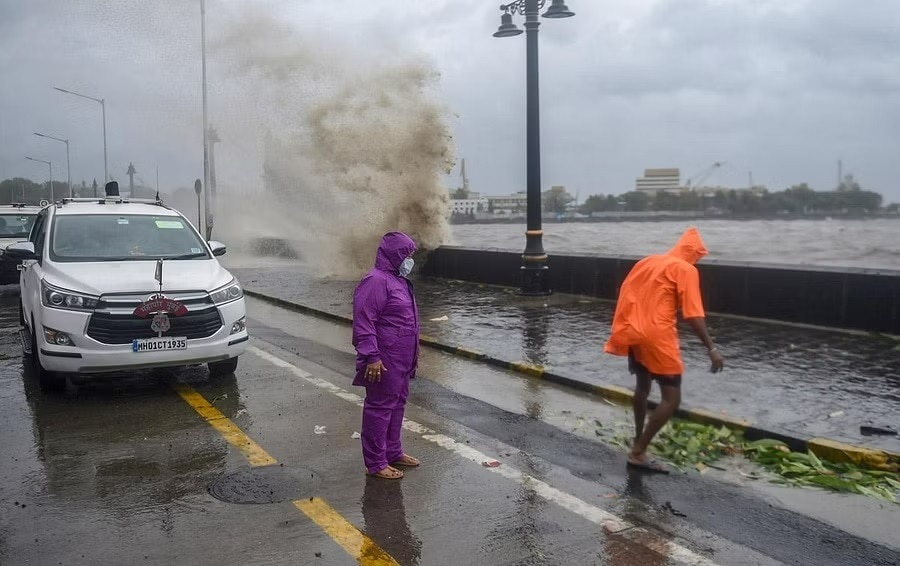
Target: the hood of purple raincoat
pixel 393 249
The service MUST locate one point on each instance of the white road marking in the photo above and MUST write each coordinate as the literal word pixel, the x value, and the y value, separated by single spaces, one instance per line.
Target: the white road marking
pixel 608 521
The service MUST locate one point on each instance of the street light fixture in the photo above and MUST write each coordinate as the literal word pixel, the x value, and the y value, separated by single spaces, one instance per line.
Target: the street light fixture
pixel 558 10
pixel 68 170
pixel 535 273
pixel 102 102
pixel 507 27
pixel 52 196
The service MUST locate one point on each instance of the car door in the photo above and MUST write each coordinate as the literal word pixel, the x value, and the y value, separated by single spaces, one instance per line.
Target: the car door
pixel 32 270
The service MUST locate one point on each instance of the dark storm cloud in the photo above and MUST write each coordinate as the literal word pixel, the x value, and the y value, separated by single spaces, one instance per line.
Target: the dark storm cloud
pixel 783 89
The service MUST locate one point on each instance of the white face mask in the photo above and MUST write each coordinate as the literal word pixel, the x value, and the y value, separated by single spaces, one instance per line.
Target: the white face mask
pixel 406 267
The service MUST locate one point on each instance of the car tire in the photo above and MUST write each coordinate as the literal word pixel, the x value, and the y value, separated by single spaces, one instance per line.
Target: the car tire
pixel 48 380
pixel 21 315
pixel 218 369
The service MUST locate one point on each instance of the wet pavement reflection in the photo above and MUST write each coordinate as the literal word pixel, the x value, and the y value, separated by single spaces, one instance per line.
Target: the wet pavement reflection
pixel 110 440
pixel 808 381
pixel 384 514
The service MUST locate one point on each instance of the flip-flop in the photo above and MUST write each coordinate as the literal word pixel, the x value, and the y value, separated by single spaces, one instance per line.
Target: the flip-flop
pixel 407 461
pixel 651 466
pixel 388 473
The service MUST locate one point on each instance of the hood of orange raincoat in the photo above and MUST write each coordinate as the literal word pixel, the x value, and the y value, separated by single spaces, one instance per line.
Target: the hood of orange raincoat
pixel 690 247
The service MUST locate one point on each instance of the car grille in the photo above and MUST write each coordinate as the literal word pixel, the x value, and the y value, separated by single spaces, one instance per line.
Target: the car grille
pixel 113 322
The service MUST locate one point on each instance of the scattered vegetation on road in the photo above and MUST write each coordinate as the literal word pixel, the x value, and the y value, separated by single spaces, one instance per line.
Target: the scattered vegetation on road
pixel 692 445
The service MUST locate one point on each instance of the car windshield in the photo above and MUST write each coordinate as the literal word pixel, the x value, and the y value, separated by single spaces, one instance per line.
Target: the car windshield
pixel 16 225
pixel 113 237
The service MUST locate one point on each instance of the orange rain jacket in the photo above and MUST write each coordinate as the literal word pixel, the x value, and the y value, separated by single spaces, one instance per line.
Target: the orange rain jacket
pixel 652 293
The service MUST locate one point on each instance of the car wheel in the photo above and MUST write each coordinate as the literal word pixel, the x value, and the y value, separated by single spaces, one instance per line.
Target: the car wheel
pixel 218 369
pixel 21 315
pixel 49 380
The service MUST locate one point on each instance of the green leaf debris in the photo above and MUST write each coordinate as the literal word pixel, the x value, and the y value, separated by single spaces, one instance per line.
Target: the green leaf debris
pixel 692 445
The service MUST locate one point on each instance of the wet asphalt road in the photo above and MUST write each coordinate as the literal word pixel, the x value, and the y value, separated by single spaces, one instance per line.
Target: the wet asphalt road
pixel 810 382
pixel 118 471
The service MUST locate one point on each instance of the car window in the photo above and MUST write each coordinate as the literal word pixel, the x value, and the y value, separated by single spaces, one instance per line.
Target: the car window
pixel 37 232
pixel 108 237
pixel 16 225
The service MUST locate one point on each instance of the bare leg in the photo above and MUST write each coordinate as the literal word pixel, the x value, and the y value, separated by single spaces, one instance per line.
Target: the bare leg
pixel 671 399
pixel 639 402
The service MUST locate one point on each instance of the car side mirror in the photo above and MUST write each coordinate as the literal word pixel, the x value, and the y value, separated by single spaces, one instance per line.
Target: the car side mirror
pixel 218 248
pixel 21 251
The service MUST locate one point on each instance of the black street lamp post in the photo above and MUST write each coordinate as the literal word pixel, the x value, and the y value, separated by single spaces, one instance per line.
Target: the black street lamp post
pixel 535 273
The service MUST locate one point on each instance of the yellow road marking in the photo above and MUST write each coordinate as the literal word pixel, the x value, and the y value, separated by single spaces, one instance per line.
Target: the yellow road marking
pixel 256 456
pixel 351 539
pixel 527 368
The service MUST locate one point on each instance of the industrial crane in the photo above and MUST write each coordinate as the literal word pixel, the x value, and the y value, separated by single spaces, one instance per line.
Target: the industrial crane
pixel 697 180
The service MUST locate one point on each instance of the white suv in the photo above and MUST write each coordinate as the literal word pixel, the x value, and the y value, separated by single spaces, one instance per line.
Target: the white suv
pixel 118 284
pixel 15 224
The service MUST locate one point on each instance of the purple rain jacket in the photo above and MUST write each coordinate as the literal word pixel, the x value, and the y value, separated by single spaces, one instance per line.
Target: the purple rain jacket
pixel 385 316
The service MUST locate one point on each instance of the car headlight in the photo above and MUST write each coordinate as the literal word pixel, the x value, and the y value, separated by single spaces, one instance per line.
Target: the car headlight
pixel 57 338
pixel 61 299
pixel 228 293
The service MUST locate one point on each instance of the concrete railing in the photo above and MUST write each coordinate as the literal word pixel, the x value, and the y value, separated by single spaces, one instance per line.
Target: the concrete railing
pixel 860 299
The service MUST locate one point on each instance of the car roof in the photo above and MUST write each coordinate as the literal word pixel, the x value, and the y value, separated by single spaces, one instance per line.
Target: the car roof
pixel 19 208
pixel 113 208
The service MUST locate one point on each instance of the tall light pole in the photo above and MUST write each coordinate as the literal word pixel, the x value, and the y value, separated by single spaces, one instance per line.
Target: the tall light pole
pixel 535 273
pixel 102 102
pixel 206 199
pixel 52 196
pixel 68 170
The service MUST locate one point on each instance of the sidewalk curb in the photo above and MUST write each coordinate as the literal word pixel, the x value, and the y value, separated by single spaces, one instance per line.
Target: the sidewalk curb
pixel 824 447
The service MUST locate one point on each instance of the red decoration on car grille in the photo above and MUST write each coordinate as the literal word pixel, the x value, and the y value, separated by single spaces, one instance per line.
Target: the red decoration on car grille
pixel 160 304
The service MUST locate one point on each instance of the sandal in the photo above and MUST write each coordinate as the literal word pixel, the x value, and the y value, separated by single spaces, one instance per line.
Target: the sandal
pixel 387 473
pixel 408 461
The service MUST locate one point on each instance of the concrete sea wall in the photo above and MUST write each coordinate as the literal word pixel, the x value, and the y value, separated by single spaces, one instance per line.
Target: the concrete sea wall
pixel 858 299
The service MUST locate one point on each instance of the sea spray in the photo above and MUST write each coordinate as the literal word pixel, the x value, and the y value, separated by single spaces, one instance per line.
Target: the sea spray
pixel 325 142
pixel 354 146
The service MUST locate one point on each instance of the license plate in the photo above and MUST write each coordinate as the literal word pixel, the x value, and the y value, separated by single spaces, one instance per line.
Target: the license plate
pixel 158 344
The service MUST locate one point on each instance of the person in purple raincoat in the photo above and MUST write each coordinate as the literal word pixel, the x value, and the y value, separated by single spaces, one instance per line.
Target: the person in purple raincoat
pixel 386 338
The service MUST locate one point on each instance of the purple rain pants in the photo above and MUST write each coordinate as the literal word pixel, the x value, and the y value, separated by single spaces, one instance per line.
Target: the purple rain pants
pixel 382 422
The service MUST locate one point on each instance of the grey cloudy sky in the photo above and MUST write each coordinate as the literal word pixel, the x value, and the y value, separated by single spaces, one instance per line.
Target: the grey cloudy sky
pixel 781 88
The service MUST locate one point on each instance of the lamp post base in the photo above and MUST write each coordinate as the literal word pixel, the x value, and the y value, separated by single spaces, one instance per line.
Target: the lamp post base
pixel 535 279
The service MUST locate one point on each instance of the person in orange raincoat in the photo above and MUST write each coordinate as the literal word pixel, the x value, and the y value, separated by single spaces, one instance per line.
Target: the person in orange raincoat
pixel 644 329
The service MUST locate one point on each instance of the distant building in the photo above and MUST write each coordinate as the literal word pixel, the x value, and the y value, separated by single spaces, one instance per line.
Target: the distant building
pixel 659 180
pixel 469 205
pixel 453 193
pixel 508 204
pixel 710 191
